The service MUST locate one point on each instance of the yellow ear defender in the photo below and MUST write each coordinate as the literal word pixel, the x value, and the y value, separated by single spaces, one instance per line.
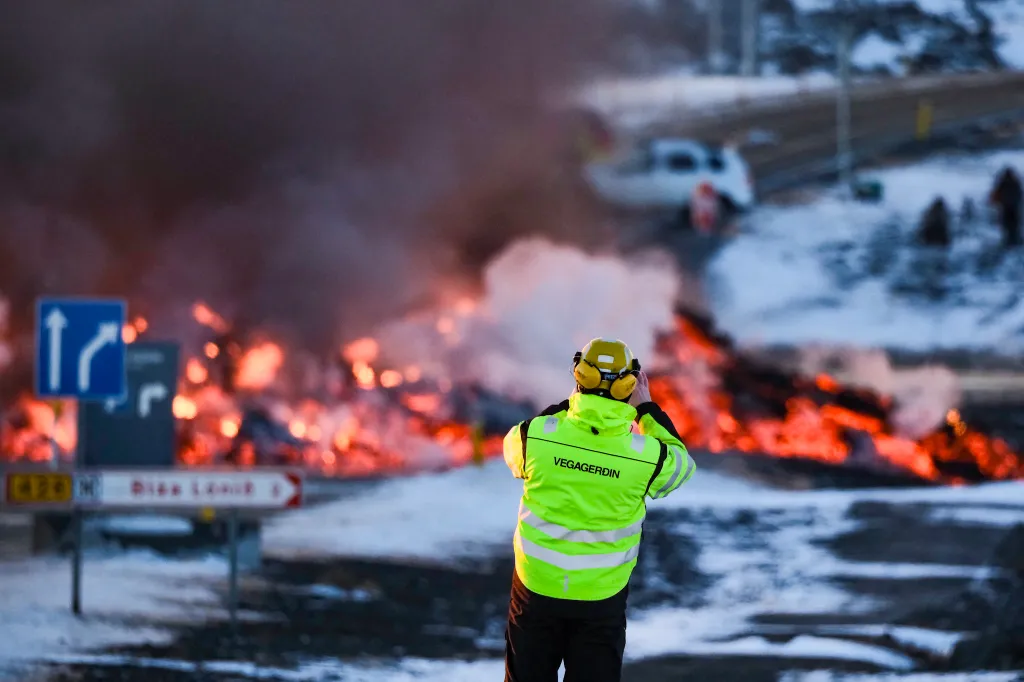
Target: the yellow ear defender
pixel 606 367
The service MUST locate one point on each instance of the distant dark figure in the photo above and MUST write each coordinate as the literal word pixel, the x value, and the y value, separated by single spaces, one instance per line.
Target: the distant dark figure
pixel 1007 195
pixel 934 229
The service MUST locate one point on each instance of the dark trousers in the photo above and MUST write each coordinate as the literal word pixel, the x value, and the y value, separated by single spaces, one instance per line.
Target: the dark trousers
pixel 1011 219
pixel 589 636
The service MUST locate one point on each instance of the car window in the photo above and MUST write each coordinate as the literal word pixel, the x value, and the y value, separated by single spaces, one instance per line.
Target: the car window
pixel 715 161
pixel 681 162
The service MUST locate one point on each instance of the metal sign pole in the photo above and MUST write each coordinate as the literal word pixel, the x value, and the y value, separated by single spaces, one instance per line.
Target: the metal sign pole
pixel 715 36
pixel 76 562
pixel 233 570
pixel 751 18
pixel 76 539
pixel 844 147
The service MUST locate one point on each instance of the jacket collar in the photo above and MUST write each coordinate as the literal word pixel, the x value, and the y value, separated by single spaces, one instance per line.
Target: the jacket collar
pixel 609 417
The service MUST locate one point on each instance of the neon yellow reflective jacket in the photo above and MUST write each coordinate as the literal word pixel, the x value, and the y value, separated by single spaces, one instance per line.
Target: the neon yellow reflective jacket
pixel 586 477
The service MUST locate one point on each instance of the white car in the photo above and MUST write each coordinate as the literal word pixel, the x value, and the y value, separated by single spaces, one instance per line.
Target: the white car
pixel 662 174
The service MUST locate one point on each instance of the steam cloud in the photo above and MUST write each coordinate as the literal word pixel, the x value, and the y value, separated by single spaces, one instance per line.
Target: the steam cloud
pixel 306 166
pixel 922 395
pixel 541 303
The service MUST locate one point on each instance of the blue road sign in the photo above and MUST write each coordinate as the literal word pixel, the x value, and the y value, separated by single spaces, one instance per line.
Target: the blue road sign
pixel 79 350
pixel 140 431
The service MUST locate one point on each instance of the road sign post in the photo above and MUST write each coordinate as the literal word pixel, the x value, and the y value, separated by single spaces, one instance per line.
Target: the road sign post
pixel 76 562
pixel 193 491
pixel 80 354
pixel 233 571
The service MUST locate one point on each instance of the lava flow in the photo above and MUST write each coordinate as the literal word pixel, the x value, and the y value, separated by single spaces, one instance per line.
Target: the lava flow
pixel 357 414
pixel 722 401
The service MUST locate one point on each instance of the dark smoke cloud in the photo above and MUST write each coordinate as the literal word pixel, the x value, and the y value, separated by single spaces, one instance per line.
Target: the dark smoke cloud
pixel 306 165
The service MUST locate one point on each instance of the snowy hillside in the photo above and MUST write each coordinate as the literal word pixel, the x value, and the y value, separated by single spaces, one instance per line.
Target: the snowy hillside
pixel 890 36
pixel 848 273
pixel 897 37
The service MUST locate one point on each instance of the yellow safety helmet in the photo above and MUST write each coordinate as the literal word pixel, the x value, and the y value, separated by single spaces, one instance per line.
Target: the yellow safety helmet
pixel 606 367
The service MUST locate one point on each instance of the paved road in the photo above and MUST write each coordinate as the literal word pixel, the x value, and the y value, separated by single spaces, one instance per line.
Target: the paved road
pixel 883 118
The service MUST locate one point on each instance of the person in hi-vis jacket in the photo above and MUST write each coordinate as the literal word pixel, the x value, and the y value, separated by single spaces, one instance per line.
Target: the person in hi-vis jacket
pixel 586 477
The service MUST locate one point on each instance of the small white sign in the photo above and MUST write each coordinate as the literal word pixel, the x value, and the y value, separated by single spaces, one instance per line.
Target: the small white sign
pixel 258 489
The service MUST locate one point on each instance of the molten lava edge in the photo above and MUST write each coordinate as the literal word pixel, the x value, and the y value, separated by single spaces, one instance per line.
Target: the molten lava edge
pixel 744 406
pixel 369 420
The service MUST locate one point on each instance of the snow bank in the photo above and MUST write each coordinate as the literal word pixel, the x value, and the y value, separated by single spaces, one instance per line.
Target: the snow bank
pixel 690 90
pixel 806 274
pixel 803 646
pixel 149 525
pixel 636 102
pixel 979 516
pixel 937 642
pixel 464 512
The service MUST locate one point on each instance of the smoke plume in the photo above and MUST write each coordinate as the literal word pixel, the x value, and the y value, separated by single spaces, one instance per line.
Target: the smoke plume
pixel 305 167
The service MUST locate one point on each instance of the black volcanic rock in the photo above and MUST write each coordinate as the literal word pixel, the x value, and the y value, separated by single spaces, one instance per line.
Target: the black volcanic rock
pixel 997 609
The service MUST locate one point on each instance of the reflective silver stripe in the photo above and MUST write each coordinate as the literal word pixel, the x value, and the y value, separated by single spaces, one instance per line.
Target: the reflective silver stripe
pixel 639 442
pixel 691 466
pixel 550 424
pixel 577 562
pixel 558 532
pixel 675 480
pixel 665 489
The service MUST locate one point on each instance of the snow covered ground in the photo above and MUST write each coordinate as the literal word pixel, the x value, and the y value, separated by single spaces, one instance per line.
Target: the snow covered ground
pixel 131 599
pixel 774 563
pixel 839 272
pixel 781 570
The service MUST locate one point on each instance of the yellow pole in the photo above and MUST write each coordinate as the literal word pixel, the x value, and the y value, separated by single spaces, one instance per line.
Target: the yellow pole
pixel 924 119
pixel 476 436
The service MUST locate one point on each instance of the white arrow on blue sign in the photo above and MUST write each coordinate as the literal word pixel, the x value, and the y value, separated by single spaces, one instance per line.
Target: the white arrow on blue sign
pixel 79 350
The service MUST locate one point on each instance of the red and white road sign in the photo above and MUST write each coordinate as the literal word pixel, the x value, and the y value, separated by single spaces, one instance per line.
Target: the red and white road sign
pixel 255 489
